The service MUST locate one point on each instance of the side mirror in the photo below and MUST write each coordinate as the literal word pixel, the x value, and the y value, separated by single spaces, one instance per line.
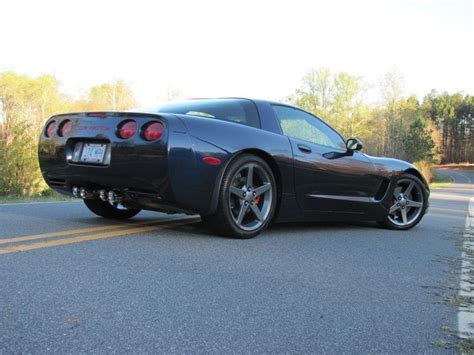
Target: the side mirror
pixel 353 144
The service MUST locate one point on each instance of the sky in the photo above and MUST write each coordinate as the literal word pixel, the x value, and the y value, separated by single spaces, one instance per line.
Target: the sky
pixel 255 48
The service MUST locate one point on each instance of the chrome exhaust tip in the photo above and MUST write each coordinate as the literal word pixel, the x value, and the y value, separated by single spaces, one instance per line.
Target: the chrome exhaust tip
pixel 82 193
pixel 103 195
pixel 114 197
pixel 75 192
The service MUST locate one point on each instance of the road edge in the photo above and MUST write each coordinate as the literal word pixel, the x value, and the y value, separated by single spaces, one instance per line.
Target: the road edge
pixel 466 291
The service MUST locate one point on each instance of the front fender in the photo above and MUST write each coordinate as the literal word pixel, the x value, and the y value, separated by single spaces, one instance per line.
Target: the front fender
pixel 391 169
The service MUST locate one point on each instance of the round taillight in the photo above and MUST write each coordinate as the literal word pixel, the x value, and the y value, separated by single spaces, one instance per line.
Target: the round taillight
pixel 65 128
pixel 127 129
pixel 50 129
pixel 153 131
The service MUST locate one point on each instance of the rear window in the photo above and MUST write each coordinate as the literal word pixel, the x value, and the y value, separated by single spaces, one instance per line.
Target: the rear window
pixel 234 110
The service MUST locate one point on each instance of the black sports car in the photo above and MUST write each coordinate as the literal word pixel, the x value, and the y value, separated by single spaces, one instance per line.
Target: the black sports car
pixel 238 163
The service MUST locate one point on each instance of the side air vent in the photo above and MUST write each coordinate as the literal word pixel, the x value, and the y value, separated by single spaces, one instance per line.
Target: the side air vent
pixel 382 190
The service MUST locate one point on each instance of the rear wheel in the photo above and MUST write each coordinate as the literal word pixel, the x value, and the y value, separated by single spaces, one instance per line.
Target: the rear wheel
pixel 409 203
pixel 107 210
pixel 247 199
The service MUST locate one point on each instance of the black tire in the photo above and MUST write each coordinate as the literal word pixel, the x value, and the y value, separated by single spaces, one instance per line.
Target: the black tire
pixel 413 215
pixel 261 195
pixel 106 210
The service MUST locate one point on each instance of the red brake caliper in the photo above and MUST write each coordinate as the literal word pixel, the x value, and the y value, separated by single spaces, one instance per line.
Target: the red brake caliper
pixel 257 199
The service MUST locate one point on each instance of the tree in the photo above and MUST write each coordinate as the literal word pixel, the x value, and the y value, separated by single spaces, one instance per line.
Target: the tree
pixel 113 96
pixel 316 92
pixel 337 98
pixel 391 106
pixel 419 143
pixel 348 112
pixel 25 103
pixel 391 85
pixel 453 115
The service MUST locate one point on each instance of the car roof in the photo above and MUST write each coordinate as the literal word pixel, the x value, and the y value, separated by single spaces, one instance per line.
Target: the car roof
pixel 271 102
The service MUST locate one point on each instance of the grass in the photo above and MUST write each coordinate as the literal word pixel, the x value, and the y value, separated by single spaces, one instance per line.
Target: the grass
pixel 468 166
pixel 46 197
pixel 440 180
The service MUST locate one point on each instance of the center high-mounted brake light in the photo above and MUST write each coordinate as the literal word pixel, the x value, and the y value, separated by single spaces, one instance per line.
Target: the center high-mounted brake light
pixel 50 129
pixel 127 129
pixel 153 131
pixel 96 114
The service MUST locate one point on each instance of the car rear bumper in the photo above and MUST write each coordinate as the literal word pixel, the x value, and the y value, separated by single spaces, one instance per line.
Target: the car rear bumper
pixel 166 175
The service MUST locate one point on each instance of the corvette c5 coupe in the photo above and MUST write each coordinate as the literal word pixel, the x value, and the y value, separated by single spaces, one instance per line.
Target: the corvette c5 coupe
pixel 238 163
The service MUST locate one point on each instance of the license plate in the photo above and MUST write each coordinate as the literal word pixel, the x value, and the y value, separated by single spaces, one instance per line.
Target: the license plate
pixel 93 153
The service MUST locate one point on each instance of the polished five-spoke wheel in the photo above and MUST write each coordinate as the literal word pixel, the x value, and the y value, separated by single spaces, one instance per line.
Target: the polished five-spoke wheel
pixel 250 197
pixel 247 198
pixel 409 202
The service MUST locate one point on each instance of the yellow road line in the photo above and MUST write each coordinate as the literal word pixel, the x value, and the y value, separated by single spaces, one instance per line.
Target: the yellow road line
pixel 74 231
pixel 112 234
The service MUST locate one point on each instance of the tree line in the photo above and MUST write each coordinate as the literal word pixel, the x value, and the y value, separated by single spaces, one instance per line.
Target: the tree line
pixel 25 105
pixel 439 128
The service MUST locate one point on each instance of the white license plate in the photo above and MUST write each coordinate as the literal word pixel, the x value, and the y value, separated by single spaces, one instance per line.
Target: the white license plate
pixel 93 153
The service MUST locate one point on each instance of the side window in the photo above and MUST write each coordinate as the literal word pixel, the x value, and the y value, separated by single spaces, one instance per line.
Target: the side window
pixel 299 124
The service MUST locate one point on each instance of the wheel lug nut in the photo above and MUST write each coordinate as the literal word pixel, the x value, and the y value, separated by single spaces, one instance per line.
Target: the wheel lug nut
pixel 398 205
pixel 244 194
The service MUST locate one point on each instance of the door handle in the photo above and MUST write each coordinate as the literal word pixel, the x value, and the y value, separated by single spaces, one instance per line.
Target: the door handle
pixel 304 148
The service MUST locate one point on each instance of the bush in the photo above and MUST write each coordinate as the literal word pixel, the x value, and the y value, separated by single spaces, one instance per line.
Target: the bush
pixel 425 169
pixel 20 175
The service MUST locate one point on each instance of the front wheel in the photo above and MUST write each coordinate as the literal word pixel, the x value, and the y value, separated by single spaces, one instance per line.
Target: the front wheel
pixel 106 210
pixel 247 199
pixel 409 203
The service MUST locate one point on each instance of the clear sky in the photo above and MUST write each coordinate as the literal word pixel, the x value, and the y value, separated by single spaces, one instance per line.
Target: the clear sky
pixel 238 48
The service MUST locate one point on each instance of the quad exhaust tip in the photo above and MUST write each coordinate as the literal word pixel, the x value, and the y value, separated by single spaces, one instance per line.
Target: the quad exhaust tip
pixel 110 196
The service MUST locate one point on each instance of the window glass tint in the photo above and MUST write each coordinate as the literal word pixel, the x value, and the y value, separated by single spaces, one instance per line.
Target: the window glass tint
pixel 299 124
pixel 235 110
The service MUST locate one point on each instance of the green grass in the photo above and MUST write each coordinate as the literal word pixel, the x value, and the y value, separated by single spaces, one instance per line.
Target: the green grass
pixel 440 181
pixel 468 166
pixel 48 196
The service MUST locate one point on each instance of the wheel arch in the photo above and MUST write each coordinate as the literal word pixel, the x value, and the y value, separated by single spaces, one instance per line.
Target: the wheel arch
pixel 418 175
pixel 261 154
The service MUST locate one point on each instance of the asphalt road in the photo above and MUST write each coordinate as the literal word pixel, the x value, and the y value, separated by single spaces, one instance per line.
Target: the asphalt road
pixel 72 282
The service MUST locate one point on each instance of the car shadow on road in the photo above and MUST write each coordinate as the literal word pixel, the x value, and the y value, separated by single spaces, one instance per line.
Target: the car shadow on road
pixel 202 230
pixel 321 225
